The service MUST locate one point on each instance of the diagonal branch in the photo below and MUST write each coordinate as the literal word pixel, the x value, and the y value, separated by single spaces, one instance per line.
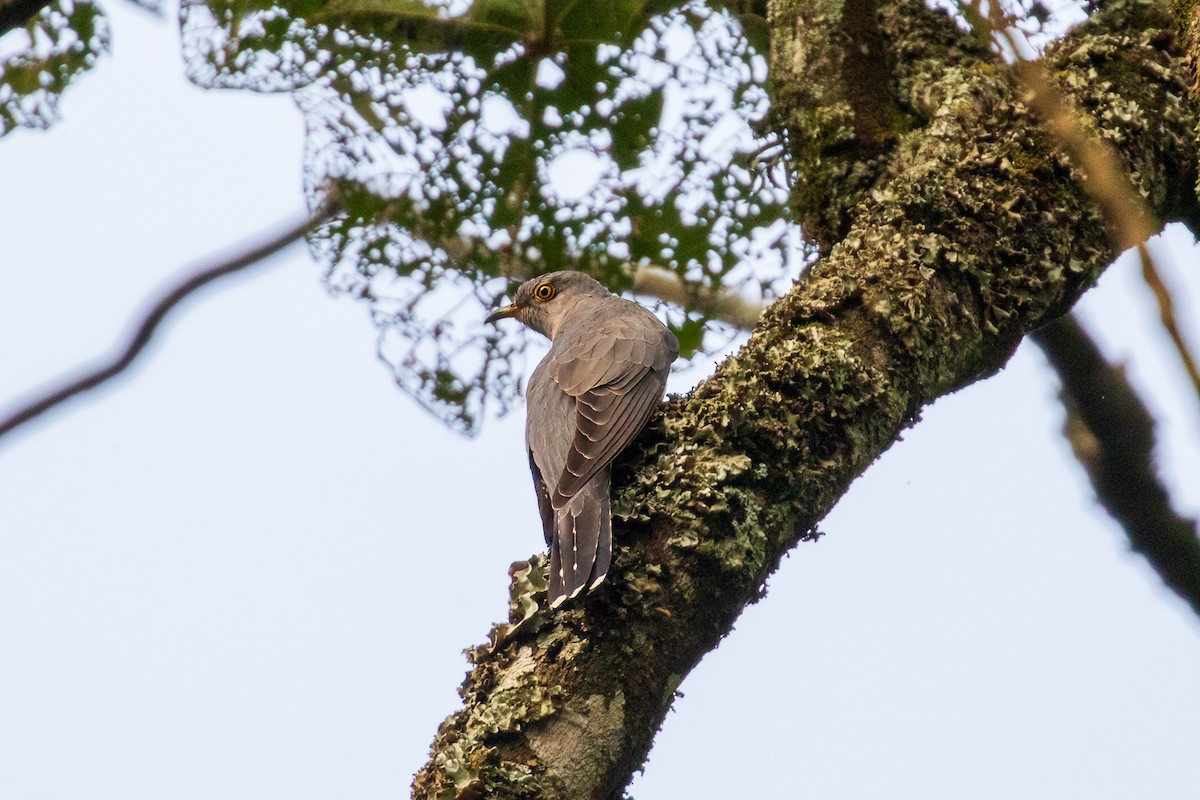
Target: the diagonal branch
pixel 1112 434
pixel 1102 174
pixel 110 368
pixel 974 234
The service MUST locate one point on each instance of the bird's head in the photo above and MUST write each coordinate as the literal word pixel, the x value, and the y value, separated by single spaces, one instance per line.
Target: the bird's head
pixel 544 302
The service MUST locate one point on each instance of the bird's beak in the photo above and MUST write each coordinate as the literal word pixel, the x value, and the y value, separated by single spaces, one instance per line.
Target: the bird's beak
pixel 503 313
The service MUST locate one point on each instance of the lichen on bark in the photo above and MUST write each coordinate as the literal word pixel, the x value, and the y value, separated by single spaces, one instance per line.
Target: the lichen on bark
pixel 1186 14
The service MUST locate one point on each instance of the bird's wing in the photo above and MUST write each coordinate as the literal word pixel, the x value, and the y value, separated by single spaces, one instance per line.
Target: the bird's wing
pixel 548 433
pixel 616 374
pixel 545 510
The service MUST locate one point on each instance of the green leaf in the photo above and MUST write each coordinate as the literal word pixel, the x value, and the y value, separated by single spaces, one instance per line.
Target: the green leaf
pixel 516 16
pixel 632 125
pixel 757 32
pixel 690 335
pixel 614 21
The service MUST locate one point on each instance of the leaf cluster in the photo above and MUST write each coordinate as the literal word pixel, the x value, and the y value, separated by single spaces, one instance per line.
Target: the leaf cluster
pixel 481 145
pixel 61 42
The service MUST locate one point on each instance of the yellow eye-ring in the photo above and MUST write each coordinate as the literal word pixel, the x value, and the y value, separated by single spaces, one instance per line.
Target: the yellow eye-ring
pixel 543 292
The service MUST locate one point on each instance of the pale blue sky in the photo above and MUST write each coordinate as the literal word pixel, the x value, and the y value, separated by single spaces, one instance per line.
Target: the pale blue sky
pixel 248 570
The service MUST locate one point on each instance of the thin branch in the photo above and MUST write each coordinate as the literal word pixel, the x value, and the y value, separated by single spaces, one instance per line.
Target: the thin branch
pixel 151 321
pixel 1112 434
pixel 726 305
pixel 1166 313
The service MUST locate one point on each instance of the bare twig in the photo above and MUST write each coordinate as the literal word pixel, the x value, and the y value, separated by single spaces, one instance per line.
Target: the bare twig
pixel 1112 434
pixel 726 304
pixel 150 322
pixel 1166 313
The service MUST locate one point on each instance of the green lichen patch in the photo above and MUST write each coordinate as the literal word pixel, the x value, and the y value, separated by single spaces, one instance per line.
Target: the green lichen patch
pixel 517 698
pixel 526 596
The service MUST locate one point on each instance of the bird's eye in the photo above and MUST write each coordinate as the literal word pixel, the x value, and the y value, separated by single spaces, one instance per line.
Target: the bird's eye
pixel 543 292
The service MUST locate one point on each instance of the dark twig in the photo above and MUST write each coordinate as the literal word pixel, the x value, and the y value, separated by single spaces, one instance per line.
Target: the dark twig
pixel 1112 434
pixel 152 319
pixel 17 13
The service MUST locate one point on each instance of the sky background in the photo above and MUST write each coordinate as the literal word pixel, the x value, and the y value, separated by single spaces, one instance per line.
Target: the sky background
pixel 248 569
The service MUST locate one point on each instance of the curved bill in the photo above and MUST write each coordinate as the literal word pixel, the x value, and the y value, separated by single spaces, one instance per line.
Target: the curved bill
pixel 502 313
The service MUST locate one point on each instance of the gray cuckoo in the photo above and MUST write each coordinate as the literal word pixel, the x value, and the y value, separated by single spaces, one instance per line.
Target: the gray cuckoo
pixel 587 399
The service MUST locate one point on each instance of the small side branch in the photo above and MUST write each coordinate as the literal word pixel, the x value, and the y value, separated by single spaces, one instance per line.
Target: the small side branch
pixel 151 321
pixel 726 305
pixel 1112 434
pixel 1166 314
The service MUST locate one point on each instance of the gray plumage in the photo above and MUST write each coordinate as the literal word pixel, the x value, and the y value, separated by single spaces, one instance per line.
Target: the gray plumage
pixel 587 399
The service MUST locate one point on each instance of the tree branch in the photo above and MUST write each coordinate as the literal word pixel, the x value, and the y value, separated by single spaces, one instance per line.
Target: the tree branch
pixel 1112 434
pixel 1187 22
pixel 1102 175
pixel 836 93
pixel 1166 315
pixel 973 234
pixel 726 305
pixel 150 322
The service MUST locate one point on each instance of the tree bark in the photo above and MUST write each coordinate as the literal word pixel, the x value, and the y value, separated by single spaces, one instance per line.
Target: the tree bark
pixel 958 233
pixel 1187 23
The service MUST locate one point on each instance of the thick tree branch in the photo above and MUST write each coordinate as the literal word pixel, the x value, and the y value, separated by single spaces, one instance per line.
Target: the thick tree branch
pixel 1112 434
pixel 1101 173
pixel 149 322
pixel 972 234
pixel 836 93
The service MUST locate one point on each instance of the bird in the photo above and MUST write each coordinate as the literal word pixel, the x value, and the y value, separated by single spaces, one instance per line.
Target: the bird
pixel 587 399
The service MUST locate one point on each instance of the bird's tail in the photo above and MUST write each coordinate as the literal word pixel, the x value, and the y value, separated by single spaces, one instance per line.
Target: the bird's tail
pixel 581 549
